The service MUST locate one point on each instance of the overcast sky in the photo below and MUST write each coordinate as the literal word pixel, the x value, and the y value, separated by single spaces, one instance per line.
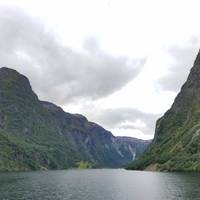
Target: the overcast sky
pixel 118 62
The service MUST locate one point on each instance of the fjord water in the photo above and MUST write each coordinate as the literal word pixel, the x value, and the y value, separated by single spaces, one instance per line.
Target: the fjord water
pixel 99 184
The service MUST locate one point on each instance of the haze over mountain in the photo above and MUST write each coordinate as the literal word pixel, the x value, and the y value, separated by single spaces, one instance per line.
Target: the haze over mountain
pixel 36 134
pixel 176 145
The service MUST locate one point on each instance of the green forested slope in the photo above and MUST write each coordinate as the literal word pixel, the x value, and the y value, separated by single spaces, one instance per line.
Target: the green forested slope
pixel 176 146
pixel 40 135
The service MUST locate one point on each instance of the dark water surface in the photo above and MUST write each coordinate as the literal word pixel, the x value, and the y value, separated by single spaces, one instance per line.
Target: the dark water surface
pixel 99 184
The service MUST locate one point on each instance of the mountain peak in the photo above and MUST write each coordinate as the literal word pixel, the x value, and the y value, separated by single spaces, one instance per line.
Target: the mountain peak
pixel 6 68
pixel 190 91
pixel 197 60
pixel 7 72
pixel 13 84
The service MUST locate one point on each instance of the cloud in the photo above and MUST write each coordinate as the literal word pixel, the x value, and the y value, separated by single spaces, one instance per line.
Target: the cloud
pixel 182 59
pixel 127 118
pixel 58 73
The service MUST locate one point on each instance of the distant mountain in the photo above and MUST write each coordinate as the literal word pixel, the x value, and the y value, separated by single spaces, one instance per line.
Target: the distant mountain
pixel 39 135
pixel 176 146
pixel 132 148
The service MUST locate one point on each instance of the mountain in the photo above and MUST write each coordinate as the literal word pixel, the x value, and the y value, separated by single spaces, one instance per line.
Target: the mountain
pixel 39 135
pixel 132 148
pixel 176 145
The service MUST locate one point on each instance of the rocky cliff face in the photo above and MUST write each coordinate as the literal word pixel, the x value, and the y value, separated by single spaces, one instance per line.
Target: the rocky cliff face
pixel 176 146
pixel 132 148
pixel 35 134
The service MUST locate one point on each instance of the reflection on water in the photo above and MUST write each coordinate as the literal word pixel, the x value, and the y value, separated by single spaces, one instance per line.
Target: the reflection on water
pixel 99 184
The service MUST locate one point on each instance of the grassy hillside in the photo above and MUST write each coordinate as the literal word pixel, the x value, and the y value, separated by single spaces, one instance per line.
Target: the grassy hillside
pixel 176 146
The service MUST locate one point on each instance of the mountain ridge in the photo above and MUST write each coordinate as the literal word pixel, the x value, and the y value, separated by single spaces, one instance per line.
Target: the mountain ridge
pixel 176 145
pixel 36 134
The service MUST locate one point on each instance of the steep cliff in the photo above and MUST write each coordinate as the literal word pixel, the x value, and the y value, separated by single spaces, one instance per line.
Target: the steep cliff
pixel 176 146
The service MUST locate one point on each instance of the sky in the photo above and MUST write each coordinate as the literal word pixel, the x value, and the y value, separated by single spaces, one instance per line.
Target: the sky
pixel 118 62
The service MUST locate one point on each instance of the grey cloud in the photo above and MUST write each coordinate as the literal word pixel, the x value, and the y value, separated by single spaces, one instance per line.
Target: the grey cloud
pixel 112 118
pixel 183 58
pixel 58 73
